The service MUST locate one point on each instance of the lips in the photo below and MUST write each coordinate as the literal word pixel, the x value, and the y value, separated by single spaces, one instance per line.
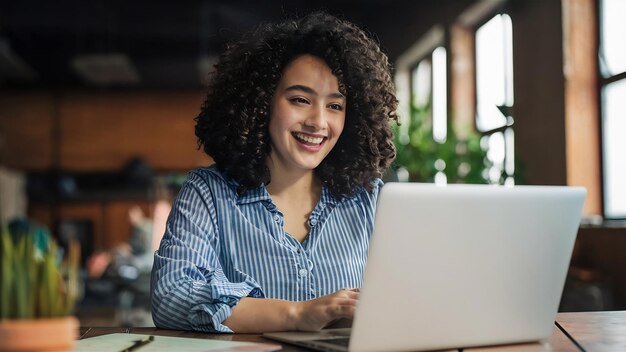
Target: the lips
pixel 307 139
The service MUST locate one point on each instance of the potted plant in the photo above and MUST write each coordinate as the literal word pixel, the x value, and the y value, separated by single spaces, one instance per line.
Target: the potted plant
pixel 38 290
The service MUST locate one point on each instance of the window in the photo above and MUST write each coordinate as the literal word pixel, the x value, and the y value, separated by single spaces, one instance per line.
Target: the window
pixel 612 62
pixel 494 96
pixel 423 141
pixel 429 100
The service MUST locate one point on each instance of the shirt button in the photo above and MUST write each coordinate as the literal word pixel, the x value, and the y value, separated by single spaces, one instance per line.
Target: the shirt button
pixel 276 218
pixel 302 272
pixel 312 222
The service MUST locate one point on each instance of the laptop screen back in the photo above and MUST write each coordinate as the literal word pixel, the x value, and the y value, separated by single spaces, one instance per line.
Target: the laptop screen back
pixel 465 265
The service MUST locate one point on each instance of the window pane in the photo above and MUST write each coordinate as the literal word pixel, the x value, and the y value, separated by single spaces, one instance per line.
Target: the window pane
pixel 440 101
pixel 509 159
pixel 421 87
pixel 613 32
pixel 614 145
pixel 496 155
pixel 421 84
pixel 494 71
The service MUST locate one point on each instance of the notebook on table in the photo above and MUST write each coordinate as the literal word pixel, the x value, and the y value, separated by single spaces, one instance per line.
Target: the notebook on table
pixel 458 266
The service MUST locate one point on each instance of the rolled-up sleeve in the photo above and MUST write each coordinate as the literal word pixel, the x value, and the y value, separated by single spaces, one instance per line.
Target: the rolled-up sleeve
pixel 189 288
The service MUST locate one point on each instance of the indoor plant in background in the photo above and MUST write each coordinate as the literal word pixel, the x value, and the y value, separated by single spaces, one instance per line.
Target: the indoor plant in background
pixel 462 160
pixel 38 290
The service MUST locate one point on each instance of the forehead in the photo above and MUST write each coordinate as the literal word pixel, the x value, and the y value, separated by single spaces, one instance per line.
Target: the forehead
pixel 309 69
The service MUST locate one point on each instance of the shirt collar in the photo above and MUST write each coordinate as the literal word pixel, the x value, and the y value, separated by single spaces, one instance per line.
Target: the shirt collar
pixel 260 194
pixel 254 195
pixel 327 197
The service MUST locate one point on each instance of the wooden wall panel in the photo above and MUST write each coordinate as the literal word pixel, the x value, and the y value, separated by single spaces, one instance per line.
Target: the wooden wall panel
pixel 582 134
pixel 104 131
pixel 26 130
pixel 117 222
pixel 462 80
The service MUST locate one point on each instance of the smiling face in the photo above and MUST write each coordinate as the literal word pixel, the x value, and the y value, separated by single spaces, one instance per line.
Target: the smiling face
pixel 307 115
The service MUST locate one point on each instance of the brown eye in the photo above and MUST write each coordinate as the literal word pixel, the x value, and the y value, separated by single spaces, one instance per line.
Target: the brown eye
pixel 337 107
pixel 299 100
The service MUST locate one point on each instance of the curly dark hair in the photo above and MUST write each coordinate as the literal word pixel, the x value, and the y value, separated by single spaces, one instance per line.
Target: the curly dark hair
pixel 232 126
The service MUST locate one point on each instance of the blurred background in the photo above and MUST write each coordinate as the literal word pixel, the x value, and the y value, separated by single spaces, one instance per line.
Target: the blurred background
pixel 97 101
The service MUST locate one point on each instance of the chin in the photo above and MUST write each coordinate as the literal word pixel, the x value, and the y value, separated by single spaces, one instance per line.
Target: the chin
pixel 309 165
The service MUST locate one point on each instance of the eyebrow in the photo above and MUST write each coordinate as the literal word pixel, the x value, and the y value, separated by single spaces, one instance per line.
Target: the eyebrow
pixel 309 90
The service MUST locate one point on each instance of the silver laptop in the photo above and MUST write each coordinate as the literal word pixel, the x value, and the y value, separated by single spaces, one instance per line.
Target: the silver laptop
pixel 459 266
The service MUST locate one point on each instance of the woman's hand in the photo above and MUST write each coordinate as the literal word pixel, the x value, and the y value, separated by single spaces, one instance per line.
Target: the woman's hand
pixel 316 314
pixel 259 315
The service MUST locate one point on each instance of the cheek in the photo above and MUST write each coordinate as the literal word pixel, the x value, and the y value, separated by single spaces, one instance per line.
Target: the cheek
pixel 280 116
pixel 274 130
pixel 338 126
pixel 279 125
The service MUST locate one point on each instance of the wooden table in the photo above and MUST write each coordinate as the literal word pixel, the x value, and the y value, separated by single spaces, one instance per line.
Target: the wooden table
pixel 596 331
pixel 589 331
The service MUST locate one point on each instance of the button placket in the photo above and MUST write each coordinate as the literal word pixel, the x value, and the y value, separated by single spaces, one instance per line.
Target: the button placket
pixel 301 268
pixel 303 264
pixel 310 289
pixel 278 218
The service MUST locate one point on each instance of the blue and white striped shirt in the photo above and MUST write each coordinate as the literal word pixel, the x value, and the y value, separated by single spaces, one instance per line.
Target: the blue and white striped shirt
pixel 220 246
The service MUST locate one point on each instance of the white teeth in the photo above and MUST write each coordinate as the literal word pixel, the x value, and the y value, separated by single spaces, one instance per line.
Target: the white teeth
pixel 308 139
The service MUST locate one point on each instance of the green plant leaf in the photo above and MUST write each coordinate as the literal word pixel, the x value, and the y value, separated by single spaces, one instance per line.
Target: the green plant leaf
pixel 6 291
pixel 31 280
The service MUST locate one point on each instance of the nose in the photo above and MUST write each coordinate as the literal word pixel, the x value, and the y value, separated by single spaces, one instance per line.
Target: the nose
pixel 316 119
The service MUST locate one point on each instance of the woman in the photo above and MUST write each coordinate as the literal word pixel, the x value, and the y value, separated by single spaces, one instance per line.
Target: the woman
pixel 274 235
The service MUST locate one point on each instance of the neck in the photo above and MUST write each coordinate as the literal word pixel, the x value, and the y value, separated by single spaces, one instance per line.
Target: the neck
pixel 294 183
pixel 303 184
